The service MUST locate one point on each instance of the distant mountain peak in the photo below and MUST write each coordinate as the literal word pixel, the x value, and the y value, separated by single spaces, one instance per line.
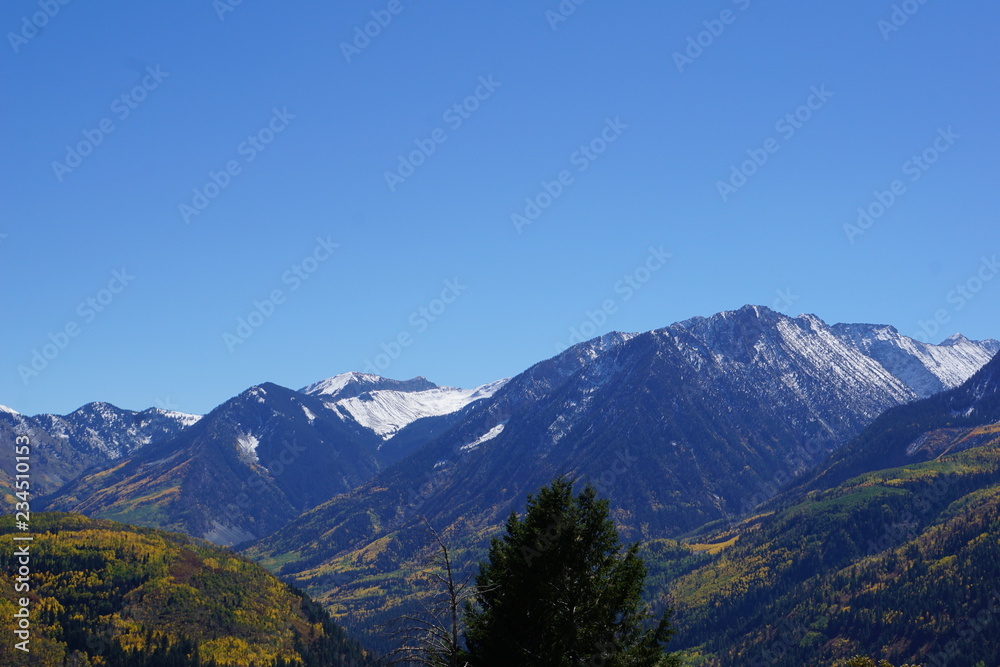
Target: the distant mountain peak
pixel 744 314
pixel 954 339
pixel 183 418
pixel 385 405
pixel 926 368
pixel 256 392
pixel 353 383
pixel 4 408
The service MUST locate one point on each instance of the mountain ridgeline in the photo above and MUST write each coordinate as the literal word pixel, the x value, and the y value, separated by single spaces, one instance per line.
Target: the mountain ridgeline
pixel 892 547
pixel 94 435
pixel 680 427
pixel 752 454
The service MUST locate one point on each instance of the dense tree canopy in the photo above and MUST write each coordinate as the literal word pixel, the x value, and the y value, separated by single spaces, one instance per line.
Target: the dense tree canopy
pixel 559 590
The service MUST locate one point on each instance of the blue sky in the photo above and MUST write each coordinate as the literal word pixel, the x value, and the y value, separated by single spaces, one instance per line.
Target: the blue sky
pixel 217 155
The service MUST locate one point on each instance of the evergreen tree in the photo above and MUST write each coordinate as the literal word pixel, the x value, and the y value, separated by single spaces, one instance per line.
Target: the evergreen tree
pixel 558 590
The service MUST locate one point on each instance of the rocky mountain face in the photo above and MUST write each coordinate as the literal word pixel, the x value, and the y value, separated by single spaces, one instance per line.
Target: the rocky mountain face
pixel 243 470
pixel 679 427
pixel 682 428
pixel 927 369
pixel 107 461
pixel 901 524
pixel 98 433
pixel 695 422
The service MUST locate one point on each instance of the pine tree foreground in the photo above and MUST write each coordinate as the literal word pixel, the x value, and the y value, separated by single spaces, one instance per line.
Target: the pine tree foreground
pixel 557 590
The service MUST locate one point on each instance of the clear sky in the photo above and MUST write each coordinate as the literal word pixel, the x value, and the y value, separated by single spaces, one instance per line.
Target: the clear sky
pixel 216 155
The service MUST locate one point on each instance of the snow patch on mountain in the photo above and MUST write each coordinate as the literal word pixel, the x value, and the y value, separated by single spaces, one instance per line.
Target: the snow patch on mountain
pixel 387 411
pixel 486 437
pixel 350 385
pixel 247 443
pixel 182 418
pixel 487 390
pixel 308 413
pixel 385 406
pixel 257 393
pixel 4 408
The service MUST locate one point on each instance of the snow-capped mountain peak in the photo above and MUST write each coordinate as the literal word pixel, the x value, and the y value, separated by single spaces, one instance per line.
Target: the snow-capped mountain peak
pixel 182 418
pixel 349 385
pixel 385 405
pixel 335 385
pixel 4 408
pixel 924 367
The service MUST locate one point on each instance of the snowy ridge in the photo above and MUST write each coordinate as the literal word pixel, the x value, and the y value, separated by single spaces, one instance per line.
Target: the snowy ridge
pixel 812 341
pixel 335 385
pixel 926 368
pixel 850 355
pixel 110 431
pixel 5 409
pixel 385 406
pixel 387 411
pixel 182 418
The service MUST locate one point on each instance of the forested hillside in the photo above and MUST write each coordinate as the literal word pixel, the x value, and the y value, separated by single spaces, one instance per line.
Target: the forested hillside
pixel 104 593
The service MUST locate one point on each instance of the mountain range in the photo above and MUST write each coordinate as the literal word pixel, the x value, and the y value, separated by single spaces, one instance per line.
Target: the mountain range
pixel 94 435
pixel 687 430
pixel 680 427
pixel 261 458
